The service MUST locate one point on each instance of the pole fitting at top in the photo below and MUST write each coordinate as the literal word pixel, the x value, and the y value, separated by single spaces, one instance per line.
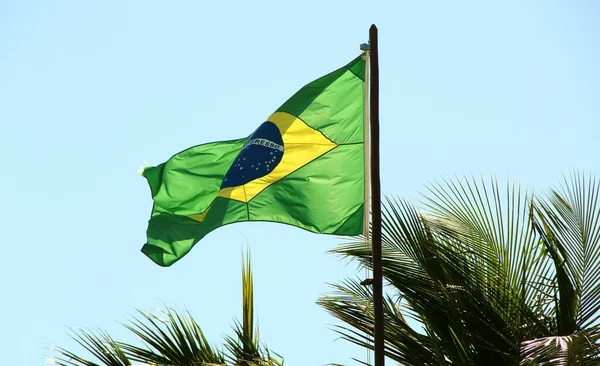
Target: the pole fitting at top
pixel 365 46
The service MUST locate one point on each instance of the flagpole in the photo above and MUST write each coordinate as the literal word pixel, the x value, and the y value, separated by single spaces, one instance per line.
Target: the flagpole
pixel 376 198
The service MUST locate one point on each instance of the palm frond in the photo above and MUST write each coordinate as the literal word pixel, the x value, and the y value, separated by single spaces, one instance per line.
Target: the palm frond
pixel 171 339
pixel 568 220
pixel 245 348
pixel 351 302
pixel 482 270
pixel 99 344
pixel 579 348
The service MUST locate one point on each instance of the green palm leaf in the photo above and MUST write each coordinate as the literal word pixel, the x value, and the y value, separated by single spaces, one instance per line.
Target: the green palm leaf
pixel 98 344
pixel 171 338
pixel 245 348
pixel 174 340
pixel 484 274
pixel 568 220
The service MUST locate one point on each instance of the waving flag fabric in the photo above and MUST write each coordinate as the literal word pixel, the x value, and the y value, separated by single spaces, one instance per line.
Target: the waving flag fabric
pixel 303 166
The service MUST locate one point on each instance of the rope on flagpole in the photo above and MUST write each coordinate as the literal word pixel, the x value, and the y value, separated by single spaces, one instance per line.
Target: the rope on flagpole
pixel 365 47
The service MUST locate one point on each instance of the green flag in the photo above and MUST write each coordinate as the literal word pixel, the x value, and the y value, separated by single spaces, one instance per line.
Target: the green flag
pixel 303 166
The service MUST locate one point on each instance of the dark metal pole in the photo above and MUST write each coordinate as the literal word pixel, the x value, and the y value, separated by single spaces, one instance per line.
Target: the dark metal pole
pixel 376 200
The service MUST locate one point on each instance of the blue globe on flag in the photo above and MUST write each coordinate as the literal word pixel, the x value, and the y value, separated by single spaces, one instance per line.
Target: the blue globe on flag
pixel 259 156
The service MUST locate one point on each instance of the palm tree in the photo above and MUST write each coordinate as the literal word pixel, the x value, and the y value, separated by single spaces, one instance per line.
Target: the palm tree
pixel 483 275
pixel 171 338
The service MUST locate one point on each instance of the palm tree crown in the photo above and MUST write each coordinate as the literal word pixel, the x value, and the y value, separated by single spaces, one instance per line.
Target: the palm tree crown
pixel 171 338
pixel 484 275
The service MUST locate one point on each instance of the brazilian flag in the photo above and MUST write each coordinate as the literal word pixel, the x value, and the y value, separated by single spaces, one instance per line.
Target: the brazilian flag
pixel 303 166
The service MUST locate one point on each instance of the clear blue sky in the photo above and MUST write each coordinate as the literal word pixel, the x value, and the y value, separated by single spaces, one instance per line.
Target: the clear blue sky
pixel 88 90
